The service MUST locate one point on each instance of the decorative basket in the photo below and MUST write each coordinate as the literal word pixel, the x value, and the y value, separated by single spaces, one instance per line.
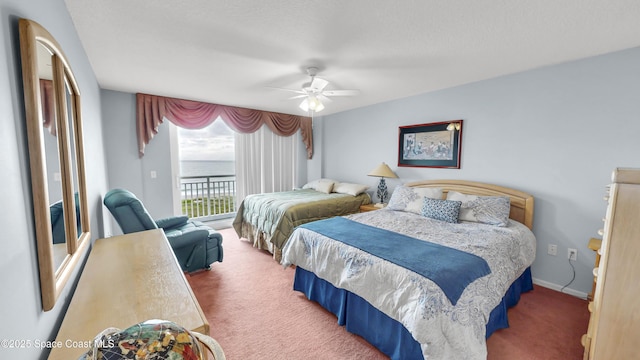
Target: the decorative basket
pixel 152 340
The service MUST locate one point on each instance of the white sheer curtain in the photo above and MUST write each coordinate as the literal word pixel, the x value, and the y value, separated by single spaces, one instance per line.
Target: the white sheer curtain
pixel 265 162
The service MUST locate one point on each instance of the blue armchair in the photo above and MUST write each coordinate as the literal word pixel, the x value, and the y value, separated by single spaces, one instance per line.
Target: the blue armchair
pixel 195 244
pixel 57 220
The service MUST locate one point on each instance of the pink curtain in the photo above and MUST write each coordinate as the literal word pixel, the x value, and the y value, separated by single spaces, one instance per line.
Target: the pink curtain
pixel 196 115
pixel 48 108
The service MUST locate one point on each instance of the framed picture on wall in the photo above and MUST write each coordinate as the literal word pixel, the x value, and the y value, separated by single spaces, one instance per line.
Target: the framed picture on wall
pixel 436 145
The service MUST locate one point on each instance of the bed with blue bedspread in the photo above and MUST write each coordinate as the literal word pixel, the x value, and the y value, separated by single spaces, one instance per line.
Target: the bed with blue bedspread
pixel 421 280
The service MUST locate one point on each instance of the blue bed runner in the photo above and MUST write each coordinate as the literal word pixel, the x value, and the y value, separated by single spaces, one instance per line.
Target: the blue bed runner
pixel 451 269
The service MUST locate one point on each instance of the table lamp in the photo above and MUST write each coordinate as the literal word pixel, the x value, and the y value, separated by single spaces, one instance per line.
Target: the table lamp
pixel 382 171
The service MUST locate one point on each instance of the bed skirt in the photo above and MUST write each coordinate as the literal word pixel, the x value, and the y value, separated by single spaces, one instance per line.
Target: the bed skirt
pixel 381 331
pixel 259 239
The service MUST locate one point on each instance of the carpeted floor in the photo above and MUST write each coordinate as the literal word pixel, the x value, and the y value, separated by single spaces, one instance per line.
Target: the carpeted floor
pixel 254 314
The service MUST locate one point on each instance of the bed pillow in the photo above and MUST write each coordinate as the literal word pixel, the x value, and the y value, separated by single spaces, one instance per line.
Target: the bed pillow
pixel 492 210
pixel 349 188
pixel 444 210
pixel 321 185
pixel 411 199
pixel 324 186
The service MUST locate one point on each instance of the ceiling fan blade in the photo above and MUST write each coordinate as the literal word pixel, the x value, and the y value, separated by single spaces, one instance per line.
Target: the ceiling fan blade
pixel 297 97
pixel 340 92
pixel 318 84
pixel 323 98
pixel 289 90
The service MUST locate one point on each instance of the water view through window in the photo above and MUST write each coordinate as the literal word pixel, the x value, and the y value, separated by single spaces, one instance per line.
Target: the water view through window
pixel 207 170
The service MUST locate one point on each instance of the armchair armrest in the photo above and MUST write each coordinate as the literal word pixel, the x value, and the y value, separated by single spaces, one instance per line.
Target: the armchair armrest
pixel 170 222
pixel 178 238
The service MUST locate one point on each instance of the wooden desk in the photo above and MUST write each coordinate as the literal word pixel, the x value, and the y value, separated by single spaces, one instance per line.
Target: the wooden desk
pixel 127 279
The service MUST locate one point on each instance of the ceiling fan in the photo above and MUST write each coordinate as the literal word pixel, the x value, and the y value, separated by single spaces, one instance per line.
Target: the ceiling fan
pixel 314 92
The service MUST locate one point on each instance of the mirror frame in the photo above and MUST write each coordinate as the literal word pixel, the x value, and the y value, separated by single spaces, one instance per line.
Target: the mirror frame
pixel 52 280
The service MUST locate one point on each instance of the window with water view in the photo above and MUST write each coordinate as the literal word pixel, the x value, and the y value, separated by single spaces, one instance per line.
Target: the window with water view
pixel 207 171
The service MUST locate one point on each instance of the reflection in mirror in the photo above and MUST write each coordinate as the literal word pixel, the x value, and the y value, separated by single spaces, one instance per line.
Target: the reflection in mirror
pixel 54 131
pixel 76 144
pixel 51 155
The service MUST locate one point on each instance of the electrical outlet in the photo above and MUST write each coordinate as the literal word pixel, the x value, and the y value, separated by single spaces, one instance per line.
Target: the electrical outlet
pixel 572 254
pixel 552 250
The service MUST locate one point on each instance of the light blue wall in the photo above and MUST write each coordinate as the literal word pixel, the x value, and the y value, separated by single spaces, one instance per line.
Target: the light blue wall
pixel 21 315
pixel 555 132
pixel 125 168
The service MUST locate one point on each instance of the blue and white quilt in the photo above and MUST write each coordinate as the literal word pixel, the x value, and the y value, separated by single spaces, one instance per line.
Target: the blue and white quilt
pixel 444 330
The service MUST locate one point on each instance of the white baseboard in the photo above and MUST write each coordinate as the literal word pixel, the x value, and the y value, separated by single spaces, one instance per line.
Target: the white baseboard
pixel 556 287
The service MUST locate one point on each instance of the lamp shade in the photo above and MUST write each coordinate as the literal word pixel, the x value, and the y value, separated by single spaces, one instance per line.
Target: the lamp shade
pixel 383 171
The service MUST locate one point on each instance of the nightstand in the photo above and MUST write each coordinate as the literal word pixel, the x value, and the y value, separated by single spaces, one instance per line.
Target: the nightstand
pixel 369 207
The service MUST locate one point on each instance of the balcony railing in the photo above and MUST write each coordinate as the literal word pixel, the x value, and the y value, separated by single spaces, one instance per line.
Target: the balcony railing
pixel 208 197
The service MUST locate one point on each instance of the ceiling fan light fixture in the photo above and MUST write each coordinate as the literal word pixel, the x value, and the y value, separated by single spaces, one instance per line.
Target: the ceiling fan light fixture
pixel 315 94
pixel 311 103
pixel 315 104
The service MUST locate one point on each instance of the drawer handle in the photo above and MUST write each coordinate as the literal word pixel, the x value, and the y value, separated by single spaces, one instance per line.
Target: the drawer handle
pixel 601 232
pixel 596 271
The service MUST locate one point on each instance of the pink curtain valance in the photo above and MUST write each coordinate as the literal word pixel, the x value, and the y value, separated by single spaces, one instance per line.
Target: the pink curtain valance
pixel 151 110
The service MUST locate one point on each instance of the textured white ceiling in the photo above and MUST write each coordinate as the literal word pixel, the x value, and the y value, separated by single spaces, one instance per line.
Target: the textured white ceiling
pixel 230 51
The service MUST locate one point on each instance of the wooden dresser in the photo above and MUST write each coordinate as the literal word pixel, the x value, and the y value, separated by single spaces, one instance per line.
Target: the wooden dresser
pixel 127 279
pixel 614 327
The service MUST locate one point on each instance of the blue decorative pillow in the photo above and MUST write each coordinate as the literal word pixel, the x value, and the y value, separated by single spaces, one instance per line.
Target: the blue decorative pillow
pixel 444 210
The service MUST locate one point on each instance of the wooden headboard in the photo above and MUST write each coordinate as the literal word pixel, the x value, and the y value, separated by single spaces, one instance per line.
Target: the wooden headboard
pixel 521 202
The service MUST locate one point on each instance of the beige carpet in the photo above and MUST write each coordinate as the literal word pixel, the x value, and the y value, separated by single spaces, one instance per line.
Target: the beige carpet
pixel 254 314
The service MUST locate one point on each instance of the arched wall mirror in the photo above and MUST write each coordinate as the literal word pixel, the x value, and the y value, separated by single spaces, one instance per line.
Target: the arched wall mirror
pixel 56 154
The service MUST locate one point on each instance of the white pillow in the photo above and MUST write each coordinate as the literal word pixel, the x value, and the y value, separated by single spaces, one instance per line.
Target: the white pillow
pixel 325 186
pixel 322 183
pixel 411 199
pixel 349 188
pixel 492 210
pixel 310 185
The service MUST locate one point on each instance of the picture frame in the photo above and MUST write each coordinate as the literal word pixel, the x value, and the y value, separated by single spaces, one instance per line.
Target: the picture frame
pixel 434 145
